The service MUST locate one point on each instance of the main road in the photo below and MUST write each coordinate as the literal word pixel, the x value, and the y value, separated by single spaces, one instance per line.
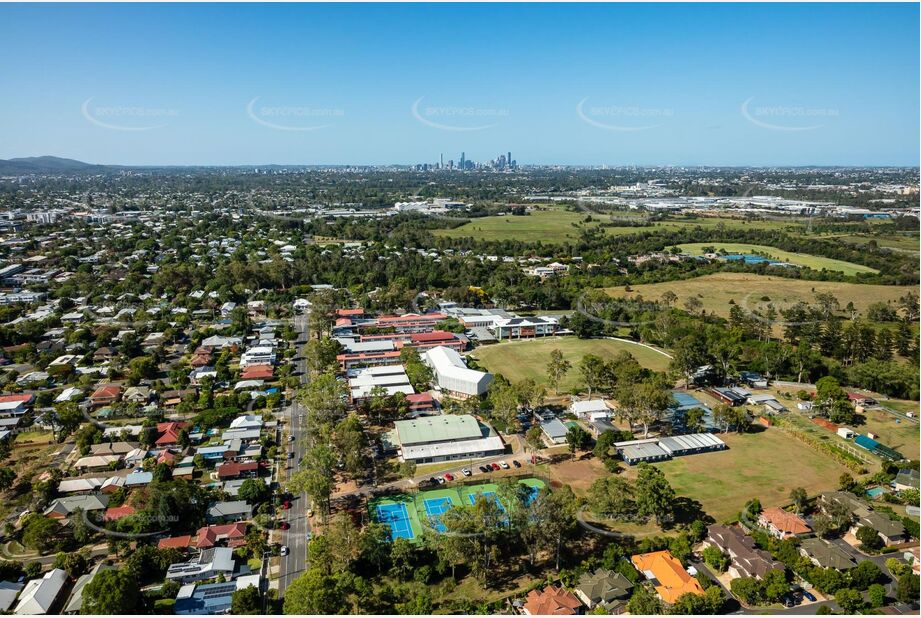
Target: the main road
pixel 296 537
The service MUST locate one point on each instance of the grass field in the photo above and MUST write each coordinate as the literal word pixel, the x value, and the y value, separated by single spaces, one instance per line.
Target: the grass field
pixel 909 243
pixel 715 291
pixel 520 360
pixel 765 465
pixel 897 433
pixel 800 259
pixel 558 225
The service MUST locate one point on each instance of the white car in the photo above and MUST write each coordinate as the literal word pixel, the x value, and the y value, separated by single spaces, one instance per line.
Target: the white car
pixel 284 550
pixel 466 472
pixel 290 438
pixel 504 465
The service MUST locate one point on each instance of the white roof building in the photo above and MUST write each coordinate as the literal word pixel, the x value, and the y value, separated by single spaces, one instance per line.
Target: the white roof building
pixel 39 595
pixel 392 378
pixel 452 374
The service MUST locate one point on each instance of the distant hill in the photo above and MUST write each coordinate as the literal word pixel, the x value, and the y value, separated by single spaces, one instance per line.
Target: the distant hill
pixel 45 165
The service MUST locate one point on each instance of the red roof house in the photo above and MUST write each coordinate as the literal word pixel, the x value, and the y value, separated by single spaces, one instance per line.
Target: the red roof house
pixel 235 470
pixel 551 601
pixel 233 534
pixel 117 512
pixel 175 542
pixel 257 372
pixel 106 394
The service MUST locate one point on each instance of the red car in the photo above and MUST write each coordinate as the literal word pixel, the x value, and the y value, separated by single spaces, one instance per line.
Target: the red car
pixel 283 525
pixel 495 466
pixel 449 477
pixel 286 505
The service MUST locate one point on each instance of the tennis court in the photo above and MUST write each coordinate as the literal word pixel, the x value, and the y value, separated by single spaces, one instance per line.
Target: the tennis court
pixel 489 495
pixel 434 507
pixel 397 517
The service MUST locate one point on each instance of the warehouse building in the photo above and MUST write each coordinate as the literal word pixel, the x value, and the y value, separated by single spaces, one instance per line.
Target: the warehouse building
pixel 452 376
pixel 450 437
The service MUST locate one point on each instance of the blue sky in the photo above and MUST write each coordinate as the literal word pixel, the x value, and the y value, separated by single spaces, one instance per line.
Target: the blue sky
pixel 710 84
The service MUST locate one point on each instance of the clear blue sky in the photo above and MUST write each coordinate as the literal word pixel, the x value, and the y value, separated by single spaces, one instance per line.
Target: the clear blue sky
pixel 755 84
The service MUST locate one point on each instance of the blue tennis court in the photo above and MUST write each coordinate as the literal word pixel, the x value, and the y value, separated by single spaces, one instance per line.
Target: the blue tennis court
pixel 396 516
pixel 434 507
pixel 489 495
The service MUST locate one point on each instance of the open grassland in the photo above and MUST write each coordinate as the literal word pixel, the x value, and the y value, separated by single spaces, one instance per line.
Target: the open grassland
pixel 520 360
pixel 900 434
pixel 800 259
pixel 715 291
pixel 905 242
pixel 764 465
pixel 555 225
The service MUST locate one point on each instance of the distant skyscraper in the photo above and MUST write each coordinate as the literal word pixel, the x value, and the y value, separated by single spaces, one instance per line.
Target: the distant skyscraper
pixel 462 165
pixel 509 158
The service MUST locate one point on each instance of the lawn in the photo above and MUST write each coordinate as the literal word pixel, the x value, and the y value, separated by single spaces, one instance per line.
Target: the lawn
pixel 555 225
pixel 800 259
pixel 909 243
pixel 900 434
pixel 715 291
pixel 520 360
pixel 764 465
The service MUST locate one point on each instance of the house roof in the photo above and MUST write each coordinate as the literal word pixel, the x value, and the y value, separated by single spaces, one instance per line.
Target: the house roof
pixel 117 512
pixel 39 595
pixel 209 536
pixel 788 523
pixel 107 391
pixel 752 562
pixel 232 469
pixel 603 586
pixel 670 579
pixel 552 601
pixel 827 555
pixel 175 542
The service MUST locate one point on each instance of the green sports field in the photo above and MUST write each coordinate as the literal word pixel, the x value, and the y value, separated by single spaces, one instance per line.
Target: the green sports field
pixel 717 290
pixel 800 259
pixel 765 465
pixel 519 360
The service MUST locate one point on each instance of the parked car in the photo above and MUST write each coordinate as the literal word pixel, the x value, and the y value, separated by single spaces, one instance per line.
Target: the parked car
pixel 439 480
pixel 516 463
pixel 484 469
pixel 433 480
pixel 495 466
pixel 283 525
pixel 504 464
pixel 284 550
pixel 449 477
pixel 466 472
pixel 809 595
pixel 290 438
pixel 286 505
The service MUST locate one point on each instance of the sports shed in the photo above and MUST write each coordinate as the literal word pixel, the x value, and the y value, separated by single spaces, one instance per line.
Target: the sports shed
pixel 691 443
pixel 638 451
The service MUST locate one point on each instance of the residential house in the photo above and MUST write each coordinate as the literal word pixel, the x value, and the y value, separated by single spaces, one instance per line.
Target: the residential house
pixel 590 409
pixel 863 515
pixel 40 596
pixel 137 394
pixel 233 510
pixel 906 479
pixel 234 470
pixel 603 587
pixel 782 524
pixel 8 593
pixel 669 578
pixel 747 560
pixel 75 601
pixel 208 564
pixel 105 395
pixel 551 601
pixel 826 555
pixel 211 599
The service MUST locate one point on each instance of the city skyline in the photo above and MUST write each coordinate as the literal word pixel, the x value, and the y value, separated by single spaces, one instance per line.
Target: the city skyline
pixel 387 85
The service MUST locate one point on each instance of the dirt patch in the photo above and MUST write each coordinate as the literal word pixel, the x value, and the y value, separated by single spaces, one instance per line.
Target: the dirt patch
pixel 578 474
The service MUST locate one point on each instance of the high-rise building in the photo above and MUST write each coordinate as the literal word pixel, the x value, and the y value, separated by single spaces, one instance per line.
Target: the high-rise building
pixel 508 159
pixel 462 165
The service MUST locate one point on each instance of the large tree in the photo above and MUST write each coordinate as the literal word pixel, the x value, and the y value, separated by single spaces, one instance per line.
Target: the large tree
pixel 111 592
pixel 654 495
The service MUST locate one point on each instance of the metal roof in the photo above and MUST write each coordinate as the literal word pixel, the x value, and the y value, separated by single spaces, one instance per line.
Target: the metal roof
pixel 444 428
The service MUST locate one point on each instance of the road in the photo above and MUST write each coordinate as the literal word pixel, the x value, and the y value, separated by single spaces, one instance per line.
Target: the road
pixel 295 538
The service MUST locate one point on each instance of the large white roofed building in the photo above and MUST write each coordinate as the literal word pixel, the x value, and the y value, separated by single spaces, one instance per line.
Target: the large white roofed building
pixel 452 375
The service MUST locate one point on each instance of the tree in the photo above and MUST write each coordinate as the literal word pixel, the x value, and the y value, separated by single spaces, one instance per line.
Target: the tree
pixel 533 437
pixel 321 353
pixel 716 558
pixel 577 439
pixel 865 574
pixel 592 368
pixel 41 533
pixel 315 478
pixel 7 477
pixel 908 588
pixel 111 592
pixel 654 496
pixel 748 589
pixel 799 498
pixel 876 595
pixel 408 469
pixel 254 491
pixel 644 602
pixel 402 558
pixel 556 369
pixel 694 420
pixel 897 568
pixel 869 538
pixel 314 593
pixel 849 599
pixel 246 601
